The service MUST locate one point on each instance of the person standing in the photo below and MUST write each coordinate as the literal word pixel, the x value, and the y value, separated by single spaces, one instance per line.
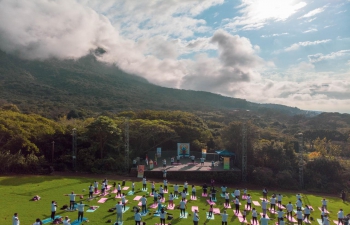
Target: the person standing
pixel 237 193
pixel 172 160
pixel 176 190
pixel 144 203
pixel 171 199
pixel 91 191
pixel 237 205
pixel 254 216
pixel 299 215
pixel 138 218
pixel 280 215
pixel 81 211
pixel 193 192
pixel 155 197
pixel 223 190
pixel 299 204
pixel 164 174
pixel 273 203
pixel 265 191
pixel 153 187
pixel 192 158
pixel 264 220
pixel 195 217
pixel 119 190
pixel 53 209
pixel 224 217
pixel 307 212
pixel 96 186
pixel 205 188
pixel 123 200
pixel 343 195
pixel 114 186
pixel 103 188
pixel 183 195
pixel 210 214
pixel 162 215
pixel 324 204
pixel 186 186
pixel 161 191
pixel 264 206
pixel 119 210
pixel 15 219
pixel 133 187
pixel 213 194
pixel 227 199
pixel 66 221
pixel 340 216
pixel 144 183
pixel 249 202
pixel 279 200
pixel 289 210
pixel 164 163
pixel 298 196
pixel 165 182
pixel 183 206
pixel 71 200
pixel 202 161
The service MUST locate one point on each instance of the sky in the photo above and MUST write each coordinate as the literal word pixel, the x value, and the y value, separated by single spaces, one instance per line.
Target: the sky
pixel 290 52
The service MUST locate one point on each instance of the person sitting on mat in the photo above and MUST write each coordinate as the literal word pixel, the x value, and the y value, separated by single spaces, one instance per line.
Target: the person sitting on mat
pixel 38 222
pixel 66 221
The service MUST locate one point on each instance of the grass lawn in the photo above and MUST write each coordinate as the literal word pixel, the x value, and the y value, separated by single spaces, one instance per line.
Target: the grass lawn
pixel 17 192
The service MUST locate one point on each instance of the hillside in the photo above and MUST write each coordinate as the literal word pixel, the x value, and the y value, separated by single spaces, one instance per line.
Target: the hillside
pixel 54 87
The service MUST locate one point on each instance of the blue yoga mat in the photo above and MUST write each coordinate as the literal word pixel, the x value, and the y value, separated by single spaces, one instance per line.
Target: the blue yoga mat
pixel 76 222
pixel 48 220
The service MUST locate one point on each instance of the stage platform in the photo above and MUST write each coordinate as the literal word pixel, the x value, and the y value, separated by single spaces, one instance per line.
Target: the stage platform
pixel 188 166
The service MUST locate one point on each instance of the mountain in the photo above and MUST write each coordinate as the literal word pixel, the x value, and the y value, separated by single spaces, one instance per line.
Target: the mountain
pixel 54 87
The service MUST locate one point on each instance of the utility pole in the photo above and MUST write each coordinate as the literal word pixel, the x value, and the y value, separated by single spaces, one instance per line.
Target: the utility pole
pixel 126 139
pixel 74 148
pixel 244 152
pixel 53 151
pixel 301 161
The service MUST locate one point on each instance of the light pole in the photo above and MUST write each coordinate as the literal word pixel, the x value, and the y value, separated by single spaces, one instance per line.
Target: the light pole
pixel 53 150
pixel 74 148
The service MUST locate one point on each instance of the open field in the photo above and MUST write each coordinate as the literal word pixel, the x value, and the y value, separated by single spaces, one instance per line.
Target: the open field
pixel 17 192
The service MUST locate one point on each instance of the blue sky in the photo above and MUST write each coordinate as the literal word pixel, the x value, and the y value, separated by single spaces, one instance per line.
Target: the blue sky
pixel 291 52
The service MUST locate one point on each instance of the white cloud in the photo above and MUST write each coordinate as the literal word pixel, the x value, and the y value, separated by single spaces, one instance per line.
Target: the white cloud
pixel 320 57
pixel 313 12
pixel 255 14
pixel 296 46
pixel 310 30
pixel 273 35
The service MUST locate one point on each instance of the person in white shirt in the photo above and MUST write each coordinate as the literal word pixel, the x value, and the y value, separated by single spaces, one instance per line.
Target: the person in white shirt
pixel 202 161
pixel 133 187
pixel 281 222
pixel 37 222
pixel 153 187
pixel 299 215
pixel 289 207
pixel 340 216
pixel 227 199
pixel 144 183
pixel 164 174
pixel 223 190
pixel 249 202
pixel 123 200
pixel 53 209
pixel 183 206
pixel 119 190
pixel 137 218
pixel 324 204
pixel 193 191
pixel 185 186
pixel 103 188
pixel 72 199
pixel 298 196
pixel 244 215
pixel 91 191
pixel 307 212
pixel 183 195
pixel 325 220
pixel 245 191
pixel 273 203
pixel 264 206
pixel 322 214
pixel 161 191
pixel 192 158
pixel 143 203
pixel 96 186
pixel 279 200
pixel 81 211
pixel 155 197
pixel 280 215
pixel 237 205
pixel 162 216
pixel 264 220
pixel 66 221
pixel 265 191
pixel 224 217
pixel 164 163
pixel 254 216
pixel 299 204
pixel 165 182
pixel 237 193
pixel 171 199
pixel 119 210
pixel 15 219
pixel 176 190
pixel 195 217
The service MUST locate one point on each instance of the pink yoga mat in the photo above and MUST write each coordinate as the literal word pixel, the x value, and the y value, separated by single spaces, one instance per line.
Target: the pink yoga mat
pixel 137 198
pixel 153 206
pixel 204 195
pixel 292 219
pixel 166 192
pixel 266 216
pixel 114 191
pixel 162 200
pixel 325 210
pixel 171 207
pixel 239 213
pixel 251 221
pixel 216 210
pixel 247 208
pixel 102 200
pixel 210 203
pixel 240 218
pixel 109 186
pixel 125 188
pixel 97 192
pixel 227 206
pixel 244 197
pixel 118 196
pixel 139 204
pixel 256 203
pixel 281 206
pixel 193 198
pixel 272 211
pixel 194 208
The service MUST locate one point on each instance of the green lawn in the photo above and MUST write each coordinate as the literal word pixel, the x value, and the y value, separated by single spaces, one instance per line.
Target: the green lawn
pixel 17 193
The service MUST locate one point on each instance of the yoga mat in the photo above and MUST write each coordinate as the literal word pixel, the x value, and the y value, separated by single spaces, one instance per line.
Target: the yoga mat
pixel 154 206
pixel 126 209
pixel 109 186
pixel 292 219
pixel 246 208
pixel 256 223
pixel 222 195
pixel 244 197
pixel 125 188
pixel 266 216
pixel 263 199
pixel 240 218
pixel 114 191
pixel 210 203
pixel 93 210
pixel 118 196
pixel 193 198
pixel 307 221
pixel 48 220
pixel 281 206
pixel 194 208
pixel 144 189
pixel 137 198
pixel 166 191
pixel 139 204
pixel 336 222
pixel 97 192
pixel 171 207
pixel 272 211
pixel 76 222
pixel 325 210
pixel 227 206
pixel 239 213
pixel 210 218
pixel 233 195
pixel 184 217
pixel 256 203
pixel 311 208
pixel 216 211
pixel 145 214
pixel 162 200
pixel 102 200
pixel 319 221
pixel 156 214
pixel 130 193
pixel 204 195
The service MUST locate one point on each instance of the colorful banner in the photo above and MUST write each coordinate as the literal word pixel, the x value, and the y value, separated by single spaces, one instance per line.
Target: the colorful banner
pixel 159 152
pixel 226 163
pixel 183 149
pixel 140 171
pixel 204 152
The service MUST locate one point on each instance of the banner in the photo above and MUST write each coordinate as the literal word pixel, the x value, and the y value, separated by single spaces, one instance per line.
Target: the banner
pixel 204 152
pixel 159 152
pixel 183 149
pixel 140 171
pixel 226 163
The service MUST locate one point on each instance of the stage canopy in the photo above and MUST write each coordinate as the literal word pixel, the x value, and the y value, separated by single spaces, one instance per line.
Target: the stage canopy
pixel 225 153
